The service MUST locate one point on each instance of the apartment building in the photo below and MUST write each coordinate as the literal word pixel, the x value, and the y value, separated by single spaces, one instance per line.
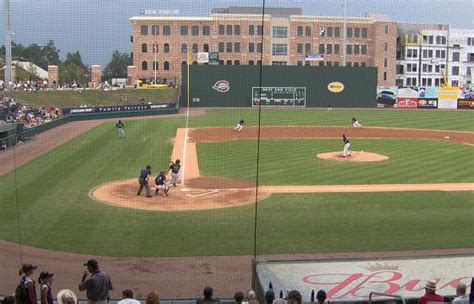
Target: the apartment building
pixel 461 57
pixel 239 35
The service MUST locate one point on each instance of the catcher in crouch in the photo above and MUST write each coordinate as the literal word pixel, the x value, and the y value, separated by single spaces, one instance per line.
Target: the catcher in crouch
pixel 160 184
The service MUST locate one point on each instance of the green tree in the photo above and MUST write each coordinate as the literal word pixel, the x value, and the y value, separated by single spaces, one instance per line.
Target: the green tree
pixel 117 67
pixel 73 69
pixel 50 53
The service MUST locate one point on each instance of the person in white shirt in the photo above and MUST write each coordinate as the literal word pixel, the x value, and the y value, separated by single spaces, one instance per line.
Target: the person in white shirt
pixel 462 297
pixel 127 297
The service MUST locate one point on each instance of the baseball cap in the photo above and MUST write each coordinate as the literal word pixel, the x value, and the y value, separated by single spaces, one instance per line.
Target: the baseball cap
pixel 46 274
pixel 92 263
pixel 28 267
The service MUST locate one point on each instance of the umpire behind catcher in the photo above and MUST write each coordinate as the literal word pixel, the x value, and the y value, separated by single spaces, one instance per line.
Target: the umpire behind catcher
pixel 143 181
pixel 97 286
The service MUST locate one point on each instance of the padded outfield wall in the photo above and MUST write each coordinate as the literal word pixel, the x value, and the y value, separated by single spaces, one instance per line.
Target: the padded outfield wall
pixel 231 86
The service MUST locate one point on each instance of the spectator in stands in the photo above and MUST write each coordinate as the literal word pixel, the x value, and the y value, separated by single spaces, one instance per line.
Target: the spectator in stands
pixel 97 286
pixel 9 300
pixel 321 297
pixel 127 297
pixel 294 297
pixel 238 297
pixel 45 279
pixel 462 297
pixel 207 297
pixel 66 296
pixel 430 294
pixel 471 295
pixel 269 296
pixel 152 298
pixel 279 301
pixel 27 271
pixel 4 145
pixel 252 297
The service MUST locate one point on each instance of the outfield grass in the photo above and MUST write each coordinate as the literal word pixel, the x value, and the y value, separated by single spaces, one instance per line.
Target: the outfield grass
pixel 69 98
pixel 49 197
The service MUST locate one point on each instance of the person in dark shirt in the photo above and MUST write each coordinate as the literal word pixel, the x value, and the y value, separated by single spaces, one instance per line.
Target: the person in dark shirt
pixel 174 168
pixel 240 125
pixel 120 129
pixel 347 146
pixel 160 184
pixel 143 181
pixel 45 279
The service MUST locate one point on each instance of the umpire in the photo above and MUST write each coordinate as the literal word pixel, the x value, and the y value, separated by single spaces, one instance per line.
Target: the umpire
pixel 143 181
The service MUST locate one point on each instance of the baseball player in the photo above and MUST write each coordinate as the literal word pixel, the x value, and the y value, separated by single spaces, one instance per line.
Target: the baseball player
pixel 174 168
pixel 347 146
pixel 240 125
pixel 120 129
pixel 160 184
pixel 355 123
pixel 143 181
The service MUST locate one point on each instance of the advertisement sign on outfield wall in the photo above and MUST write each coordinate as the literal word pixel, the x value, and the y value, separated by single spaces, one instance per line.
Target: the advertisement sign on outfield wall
pixel 467 104
pixel 407 102
pixel 448 97
pixel 386 96
pixel 428 103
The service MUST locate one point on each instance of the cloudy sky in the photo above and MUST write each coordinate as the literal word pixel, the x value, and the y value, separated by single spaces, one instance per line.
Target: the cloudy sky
pixel 97 27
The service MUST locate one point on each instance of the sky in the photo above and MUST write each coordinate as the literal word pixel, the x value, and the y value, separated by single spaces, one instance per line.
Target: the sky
pixel 96 28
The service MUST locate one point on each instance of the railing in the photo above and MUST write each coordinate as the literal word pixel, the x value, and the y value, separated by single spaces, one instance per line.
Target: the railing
pixel 386 295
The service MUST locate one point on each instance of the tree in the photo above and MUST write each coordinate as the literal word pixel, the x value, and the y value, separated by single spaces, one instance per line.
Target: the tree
pixel 73 70
pixel 74 58
pixel 50 53
pixel 117 67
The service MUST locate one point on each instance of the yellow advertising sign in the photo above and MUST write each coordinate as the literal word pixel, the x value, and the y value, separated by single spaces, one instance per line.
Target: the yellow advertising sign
pixel 336 87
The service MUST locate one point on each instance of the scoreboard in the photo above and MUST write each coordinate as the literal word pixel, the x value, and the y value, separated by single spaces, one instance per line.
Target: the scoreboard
pixel 279 96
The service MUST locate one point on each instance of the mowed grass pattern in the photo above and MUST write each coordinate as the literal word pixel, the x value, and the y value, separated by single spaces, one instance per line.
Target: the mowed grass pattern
pixel 46 203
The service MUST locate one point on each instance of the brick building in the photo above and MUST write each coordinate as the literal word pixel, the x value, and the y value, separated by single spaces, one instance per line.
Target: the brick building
pixel 236 34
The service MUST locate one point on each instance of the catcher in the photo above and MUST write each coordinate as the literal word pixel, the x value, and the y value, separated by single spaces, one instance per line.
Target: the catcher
pixel 160 184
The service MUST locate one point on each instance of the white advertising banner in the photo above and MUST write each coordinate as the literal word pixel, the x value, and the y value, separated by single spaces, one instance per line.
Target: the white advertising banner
pixel 448 97
pixel 203 58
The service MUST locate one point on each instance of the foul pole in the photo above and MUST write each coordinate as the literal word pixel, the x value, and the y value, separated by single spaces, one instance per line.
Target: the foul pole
pixel 183 175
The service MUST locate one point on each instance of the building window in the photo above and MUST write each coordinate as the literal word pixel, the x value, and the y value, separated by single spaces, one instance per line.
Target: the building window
pixel 166 48
pixel 279 49
pixel 337 49
pixel 221 29
pixel 155 65
pixel 251 47
pixel 144 66
pixel 356 64
pixel 155 30
pixel 455 71
pixel 470 57
pixel 259 47
pixel 195 48
pixel 337 32
pixel 236 62
pixel 356 32
pixel 437 82
pixel 363 49
pixel 184 30
pixel 356 49
pixel 229 47
pixel 329 31
pixel 183 63
pixel 412 53
pixel 237 29
pixel 364 32
pixel 166 66
pixel 329 63
pixel 144 30
pixel 363 64
pixel 259 62
pixel 166 30
pixel 308 31
pixel 221 47
pixel 386 33
pixel 228 30
pixel 307 63
pixel 385 62
pixel 237 47
pixel 195 30
pixel 411 67
pixel 349 32
pixel 469 71
pixel 251 62
pixel 229 62
pixel 221 62
pixel 299 31
pixel 321 48
pixel 299 48
pixel 299 63
pixel 385 76
pixel 349 49
pixel 279 63
pixel 321 63
pixel 184 48
pixel 251 30
pixel 144 48
pixel 259 30
pixel 205 47
pixel 336 63
pixel 195 63
pixel 470 41
pixel 385 47
pixel 307 48
pixel 456 56
pixel 280 32
pixel 454 83
pixel 438 39
pixel 206 30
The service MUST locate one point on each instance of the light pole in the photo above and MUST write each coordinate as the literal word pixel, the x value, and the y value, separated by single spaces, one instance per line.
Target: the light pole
pixel 8 44
pixel 344 33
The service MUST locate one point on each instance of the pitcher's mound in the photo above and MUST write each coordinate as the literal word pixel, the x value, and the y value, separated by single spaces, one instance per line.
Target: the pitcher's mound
pixel 356 156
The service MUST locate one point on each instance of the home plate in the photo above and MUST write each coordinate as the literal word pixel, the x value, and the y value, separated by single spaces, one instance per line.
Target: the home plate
pixel 447 137
pixel 184 190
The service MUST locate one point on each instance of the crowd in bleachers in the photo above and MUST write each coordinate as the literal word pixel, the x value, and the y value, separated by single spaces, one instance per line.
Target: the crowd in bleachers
pixel 97 285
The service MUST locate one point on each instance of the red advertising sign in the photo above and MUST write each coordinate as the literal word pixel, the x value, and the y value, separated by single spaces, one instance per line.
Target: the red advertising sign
pixel 407 102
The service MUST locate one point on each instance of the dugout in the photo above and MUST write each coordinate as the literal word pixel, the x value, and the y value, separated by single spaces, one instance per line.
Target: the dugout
pixel 8 133
pixel 285 86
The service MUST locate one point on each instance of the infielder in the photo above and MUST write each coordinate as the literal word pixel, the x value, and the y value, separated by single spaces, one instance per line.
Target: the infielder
pixel 239 126
pixel 347 146
pixel 143 181
pixel 160 184
pixel 355 123
pixel 174 168
pixel 120 129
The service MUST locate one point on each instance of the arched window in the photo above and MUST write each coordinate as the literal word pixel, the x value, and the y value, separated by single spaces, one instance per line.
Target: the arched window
pixel 166 66
pixel 144 66
pixel 205 47
pixel 184 48
pixel 183 62
pixel 144 48
pixel 155 30
pixel 144 30
pixel 166 48
pixel 155 65
pixel 195 63
pixel 251 62
pixel 195 48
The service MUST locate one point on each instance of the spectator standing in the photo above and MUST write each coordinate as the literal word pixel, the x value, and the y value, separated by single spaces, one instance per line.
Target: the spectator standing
pixel 127 297
pixel 45 279
pixel 430 294
pixel 97 286
pixel 28 284
pixel 66 296
pixel 321 297
pixel 238 297
pixel 152 298
pixel 4 145
pixel 462 297
pixel 207 297
pixel 252 297
pixel 294 297
pixel 269 296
